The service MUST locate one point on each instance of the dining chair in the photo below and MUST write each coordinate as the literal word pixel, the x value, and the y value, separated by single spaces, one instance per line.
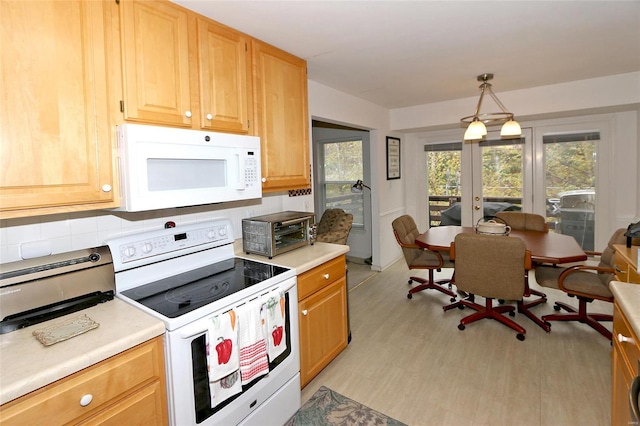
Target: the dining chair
pixel 528 222
pixel 406 232
pixel 584 282
pixel 492 267
pixel 524 221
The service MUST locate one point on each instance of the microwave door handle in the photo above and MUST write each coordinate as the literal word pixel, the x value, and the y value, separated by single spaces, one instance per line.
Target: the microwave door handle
pixel 240 184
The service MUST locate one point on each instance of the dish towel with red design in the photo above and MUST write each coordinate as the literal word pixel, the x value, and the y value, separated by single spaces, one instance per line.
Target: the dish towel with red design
pixel 251 340
pixel 276 334
pixel 222 342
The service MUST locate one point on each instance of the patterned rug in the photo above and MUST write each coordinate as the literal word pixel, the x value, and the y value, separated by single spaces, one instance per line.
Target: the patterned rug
pixel 327 407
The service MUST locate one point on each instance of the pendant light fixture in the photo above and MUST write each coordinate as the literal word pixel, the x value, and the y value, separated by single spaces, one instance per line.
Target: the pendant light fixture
pixel 477 129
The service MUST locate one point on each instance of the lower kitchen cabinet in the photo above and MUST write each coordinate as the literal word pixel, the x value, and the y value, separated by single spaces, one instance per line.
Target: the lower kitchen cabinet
pixel 128 388
pixel 322 295
pixel 625 359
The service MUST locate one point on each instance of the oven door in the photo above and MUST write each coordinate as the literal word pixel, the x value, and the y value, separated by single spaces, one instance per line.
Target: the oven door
pixel 189 388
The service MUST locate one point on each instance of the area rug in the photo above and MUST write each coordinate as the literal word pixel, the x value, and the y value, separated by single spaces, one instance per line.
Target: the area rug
pixel 327 407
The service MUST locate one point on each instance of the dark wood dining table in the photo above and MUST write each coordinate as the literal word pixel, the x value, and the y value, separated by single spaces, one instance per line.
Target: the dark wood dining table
pixel 545 247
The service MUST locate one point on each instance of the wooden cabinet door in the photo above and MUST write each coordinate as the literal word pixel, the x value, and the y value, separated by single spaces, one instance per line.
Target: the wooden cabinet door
pixel 155 61
pixel 620 414
pixel 55 142
pixel 323 328
pixel 280 88
pixel 225 78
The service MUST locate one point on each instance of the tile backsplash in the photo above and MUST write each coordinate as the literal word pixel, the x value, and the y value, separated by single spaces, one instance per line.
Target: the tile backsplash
pixel 75 231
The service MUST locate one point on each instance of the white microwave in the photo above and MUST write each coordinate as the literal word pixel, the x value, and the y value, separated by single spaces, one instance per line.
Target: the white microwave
pixel 162 167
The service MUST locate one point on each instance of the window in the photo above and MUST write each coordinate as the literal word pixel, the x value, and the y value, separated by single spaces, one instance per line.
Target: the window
pixel 342 167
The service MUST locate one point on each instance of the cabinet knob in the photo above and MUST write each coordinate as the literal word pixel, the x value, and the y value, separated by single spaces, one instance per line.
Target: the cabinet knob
pixel 86 399
pixel 187 114
pixel 264 180
pixel 209 117
pixel 326 276
pixel 305 312
pixel 625 339
pixel 106 188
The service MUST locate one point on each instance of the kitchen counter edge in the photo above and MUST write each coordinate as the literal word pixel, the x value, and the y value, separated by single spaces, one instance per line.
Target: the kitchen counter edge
pixel 628 297
pixel 27 365
pixel 302 259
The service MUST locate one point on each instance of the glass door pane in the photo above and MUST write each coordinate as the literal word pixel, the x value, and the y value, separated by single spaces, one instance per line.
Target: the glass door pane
pixel 502 175
pixel 444 186
pixel 570 184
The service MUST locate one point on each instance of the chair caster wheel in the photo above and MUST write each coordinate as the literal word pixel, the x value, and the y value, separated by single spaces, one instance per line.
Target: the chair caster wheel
pixel 501 301
pixel 460 327
pixel 547 323
pixel 461 307
pixel 512 313
pixel 556 308
pixel 409 296
pixel 453 299
pixel 520 336
pixel 410 282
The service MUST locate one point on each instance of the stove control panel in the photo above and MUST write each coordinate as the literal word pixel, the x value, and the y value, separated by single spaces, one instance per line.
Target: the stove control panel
pixel 152 246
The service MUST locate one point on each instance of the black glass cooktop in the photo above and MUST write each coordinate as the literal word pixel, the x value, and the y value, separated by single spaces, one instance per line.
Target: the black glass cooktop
pixel 179 294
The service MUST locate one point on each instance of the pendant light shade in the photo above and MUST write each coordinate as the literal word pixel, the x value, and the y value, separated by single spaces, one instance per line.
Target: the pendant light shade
pixel 511 128
pixel 477 129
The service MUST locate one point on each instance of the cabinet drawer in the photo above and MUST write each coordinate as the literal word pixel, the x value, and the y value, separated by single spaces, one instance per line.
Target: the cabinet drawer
pixel 59 402
pixel 320 276
pixel 622 268
pixel 634 277
pixel 630 351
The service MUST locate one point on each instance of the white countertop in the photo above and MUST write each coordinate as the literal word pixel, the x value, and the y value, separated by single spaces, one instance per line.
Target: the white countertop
pixel 26 364
pixel 628 297
pixel 301 259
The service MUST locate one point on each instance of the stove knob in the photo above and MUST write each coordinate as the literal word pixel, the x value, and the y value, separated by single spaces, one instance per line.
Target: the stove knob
pixel 146 248
pixel 211 234
pixel 129 251
pixel 222 231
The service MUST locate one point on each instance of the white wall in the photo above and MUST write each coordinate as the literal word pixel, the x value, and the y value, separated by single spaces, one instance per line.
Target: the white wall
pixel 387 196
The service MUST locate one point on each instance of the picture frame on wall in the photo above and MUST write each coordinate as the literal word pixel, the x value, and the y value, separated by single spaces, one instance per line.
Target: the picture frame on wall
pixel 393 158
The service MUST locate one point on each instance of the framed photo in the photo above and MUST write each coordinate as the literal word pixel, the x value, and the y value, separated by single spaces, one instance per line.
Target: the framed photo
pixel 393 158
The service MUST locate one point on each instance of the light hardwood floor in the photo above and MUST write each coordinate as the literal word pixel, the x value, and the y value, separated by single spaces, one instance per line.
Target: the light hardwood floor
pixel 408 360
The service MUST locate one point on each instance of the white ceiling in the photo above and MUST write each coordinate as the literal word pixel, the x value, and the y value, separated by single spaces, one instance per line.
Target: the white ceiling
pixel 403 53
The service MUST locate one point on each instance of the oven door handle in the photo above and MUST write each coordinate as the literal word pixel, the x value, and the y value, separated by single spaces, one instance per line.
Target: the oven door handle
pixel 288 285
pixel 193 330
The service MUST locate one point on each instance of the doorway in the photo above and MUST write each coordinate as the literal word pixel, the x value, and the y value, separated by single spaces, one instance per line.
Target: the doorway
pixel 339 157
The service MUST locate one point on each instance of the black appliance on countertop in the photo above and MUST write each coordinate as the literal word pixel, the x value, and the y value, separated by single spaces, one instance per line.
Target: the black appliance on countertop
pixel 40 289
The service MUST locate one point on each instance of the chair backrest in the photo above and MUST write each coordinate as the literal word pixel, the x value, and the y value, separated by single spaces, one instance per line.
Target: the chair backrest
pixel 334 226
pixel 406 232
pixel 490 265
pixel 606 258
pixel 524 221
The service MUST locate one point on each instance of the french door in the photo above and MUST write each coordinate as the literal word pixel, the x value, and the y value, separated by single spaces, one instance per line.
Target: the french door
pixel 554 174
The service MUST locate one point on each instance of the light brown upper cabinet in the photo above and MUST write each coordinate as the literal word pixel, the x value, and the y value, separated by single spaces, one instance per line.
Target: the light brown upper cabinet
pixel 282 118
pixel 155 63
pixel 56 149
pixel 224 77
pixel 181 69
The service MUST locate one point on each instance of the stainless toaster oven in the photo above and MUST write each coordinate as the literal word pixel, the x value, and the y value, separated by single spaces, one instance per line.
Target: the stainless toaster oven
pixel 273 234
